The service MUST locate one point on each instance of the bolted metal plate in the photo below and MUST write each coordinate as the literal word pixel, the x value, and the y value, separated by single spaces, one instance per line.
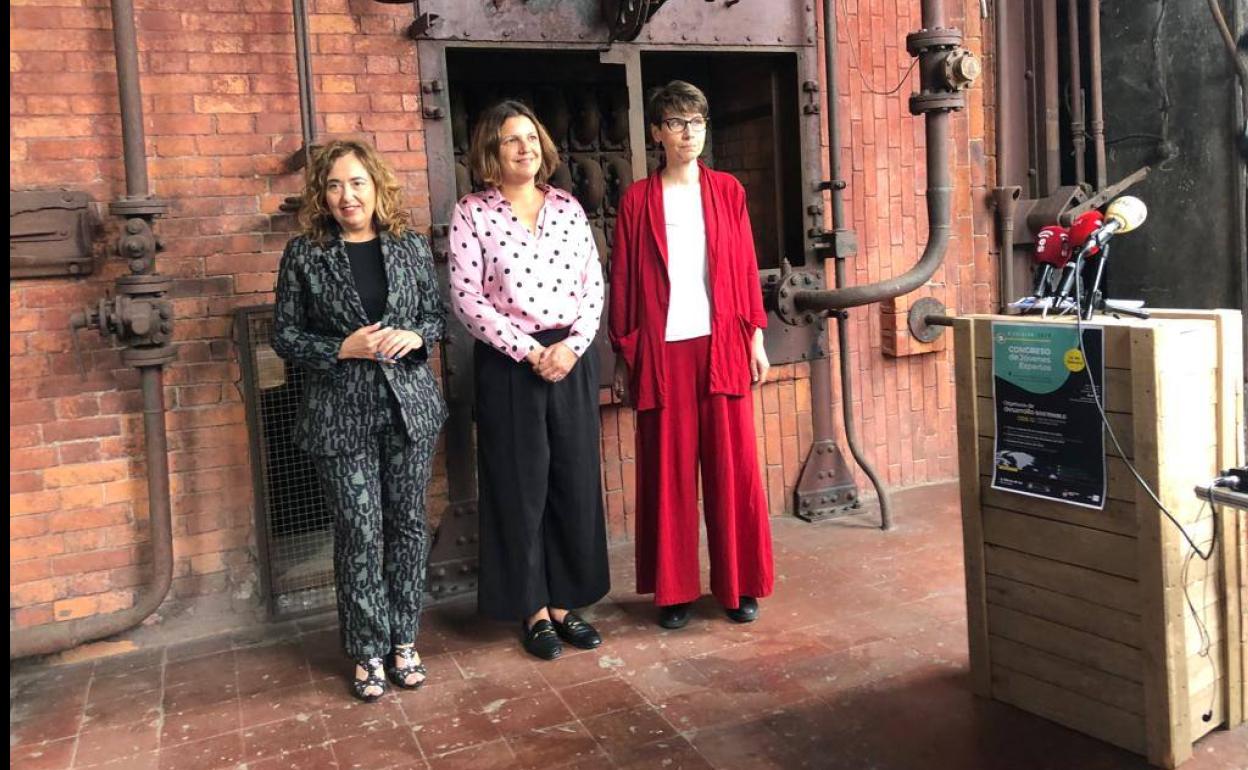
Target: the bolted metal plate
pixel 49 234
pixel 600 21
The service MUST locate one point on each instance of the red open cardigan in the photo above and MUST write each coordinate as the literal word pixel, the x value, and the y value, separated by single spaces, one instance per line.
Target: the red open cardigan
pixel 641 291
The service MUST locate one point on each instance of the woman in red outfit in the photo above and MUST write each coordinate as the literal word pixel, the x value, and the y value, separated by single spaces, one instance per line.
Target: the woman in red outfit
pixel 686 320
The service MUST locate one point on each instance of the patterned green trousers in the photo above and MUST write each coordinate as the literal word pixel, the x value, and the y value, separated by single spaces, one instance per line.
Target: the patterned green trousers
pixel 381 539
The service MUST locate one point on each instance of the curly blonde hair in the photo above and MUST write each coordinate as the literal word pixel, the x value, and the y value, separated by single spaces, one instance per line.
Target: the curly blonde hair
pixel 315 218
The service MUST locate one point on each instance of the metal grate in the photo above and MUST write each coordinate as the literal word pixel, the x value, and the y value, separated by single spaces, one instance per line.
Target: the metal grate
pixel 294 528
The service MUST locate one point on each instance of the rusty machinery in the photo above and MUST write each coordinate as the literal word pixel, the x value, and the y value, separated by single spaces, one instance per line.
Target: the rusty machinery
pixel 140 319
pixel 590 62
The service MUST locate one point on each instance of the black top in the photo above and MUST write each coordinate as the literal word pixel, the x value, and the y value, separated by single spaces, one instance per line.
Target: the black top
pixel 370 277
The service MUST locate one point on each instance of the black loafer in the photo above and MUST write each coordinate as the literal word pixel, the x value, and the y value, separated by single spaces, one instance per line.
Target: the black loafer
pixel 674 615
pixel 577 632
pixel 541 640
pixel 746 611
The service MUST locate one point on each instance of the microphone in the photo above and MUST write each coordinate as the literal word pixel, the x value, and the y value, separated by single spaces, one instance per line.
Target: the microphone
pixel 1052 250
pixel 1081 230
pixel 1122 216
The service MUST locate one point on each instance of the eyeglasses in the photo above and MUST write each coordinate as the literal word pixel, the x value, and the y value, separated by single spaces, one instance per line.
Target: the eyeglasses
pixel 678 125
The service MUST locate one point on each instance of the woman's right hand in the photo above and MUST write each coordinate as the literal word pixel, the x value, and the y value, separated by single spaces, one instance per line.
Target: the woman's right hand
pixel 364 342
pixel 619 384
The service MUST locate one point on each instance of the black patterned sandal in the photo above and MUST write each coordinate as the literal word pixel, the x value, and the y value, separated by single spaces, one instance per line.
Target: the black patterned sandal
pixel 404 665
pixel 360 687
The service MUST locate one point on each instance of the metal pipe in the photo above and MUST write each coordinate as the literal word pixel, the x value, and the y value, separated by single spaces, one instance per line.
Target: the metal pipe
pixel 1007 201
pixel 939 210
pixel 1098 115
pixel 54 637
pixel 824 379
pixel 1220 496
pixel 126 51
pixel 1077 138
pixel 303 71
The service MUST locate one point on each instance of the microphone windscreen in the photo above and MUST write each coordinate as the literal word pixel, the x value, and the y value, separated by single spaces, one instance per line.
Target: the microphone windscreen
pixel 1053 245
pixel 1084 225
pixel 1129 211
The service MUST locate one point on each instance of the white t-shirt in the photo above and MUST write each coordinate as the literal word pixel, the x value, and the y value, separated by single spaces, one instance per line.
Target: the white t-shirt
pixel 689 312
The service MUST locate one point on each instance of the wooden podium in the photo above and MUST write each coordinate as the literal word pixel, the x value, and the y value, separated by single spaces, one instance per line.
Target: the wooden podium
pixel 1080 615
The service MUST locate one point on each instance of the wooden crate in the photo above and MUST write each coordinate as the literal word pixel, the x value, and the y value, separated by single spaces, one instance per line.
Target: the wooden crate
pixel 1079 615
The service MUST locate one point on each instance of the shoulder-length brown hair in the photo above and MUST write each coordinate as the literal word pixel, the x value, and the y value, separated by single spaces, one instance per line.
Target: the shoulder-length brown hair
pixel 483 156
pixel 315 218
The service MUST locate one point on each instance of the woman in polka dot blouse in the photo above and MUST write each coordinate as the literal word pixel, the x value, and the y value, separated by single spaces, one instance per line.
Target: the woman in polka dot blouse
pixel 526 282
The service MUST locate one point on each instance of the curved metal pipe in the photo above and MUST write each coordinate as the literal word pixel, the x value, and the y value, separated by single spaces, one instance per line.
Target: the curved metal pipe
pixel 838 221
pixel 939 200
pixel 54 637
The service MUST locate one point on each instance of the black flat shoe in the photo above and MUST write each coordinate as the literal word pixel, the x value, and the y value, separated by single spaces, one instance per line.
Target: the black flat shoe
pixel 746 611
pixel 577 632
pixel 674 615
pixel 542 640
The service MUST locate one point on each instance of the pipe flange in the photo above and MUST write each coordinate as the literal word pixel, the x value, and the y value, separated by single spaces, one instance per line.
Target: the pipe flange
pixel 138 207
pixel 135 285
pixel 153 356
pixel 927 39
pixel 786 297
pixel 941 101
pixel 916 319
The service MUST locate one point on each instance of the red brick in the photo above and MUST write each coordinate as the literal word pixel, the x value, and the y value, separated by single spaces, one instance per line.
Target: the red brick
pixel 75 429
pixel 28 571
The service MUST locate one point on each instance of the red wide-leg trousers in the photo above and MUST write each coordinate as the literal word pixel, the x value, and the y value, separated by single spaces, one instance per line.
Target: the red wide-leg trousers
pixel 716 431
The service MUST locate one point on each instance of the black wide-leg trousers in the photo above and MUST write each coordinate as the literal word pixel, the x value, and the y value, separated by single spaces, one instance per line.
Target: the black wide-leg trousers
pixel 543 539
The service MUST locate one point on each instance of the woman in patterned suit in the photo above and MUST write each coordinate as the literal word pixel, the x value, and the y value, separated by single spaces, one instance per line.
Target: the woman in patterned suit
pixel 357 308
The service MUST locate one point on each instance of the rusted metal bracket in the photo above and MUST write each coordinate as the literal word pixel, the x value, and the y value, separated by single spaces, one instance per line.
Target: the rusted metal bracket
pixel 826 488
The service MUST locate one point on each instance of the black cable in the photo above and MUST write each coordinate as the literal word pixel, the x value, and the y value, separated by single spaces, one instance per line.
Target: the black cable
pixel 853 58
pixel 1109 428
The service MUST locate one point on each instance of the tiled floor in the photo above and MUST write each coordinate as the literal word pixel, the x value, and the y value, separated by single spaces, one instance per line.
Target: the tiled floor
pixel 858 661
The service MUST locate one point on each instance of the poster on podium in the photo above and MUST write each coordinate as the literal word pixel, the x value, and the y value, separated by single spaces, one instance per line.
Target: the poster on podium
pixel 1049 441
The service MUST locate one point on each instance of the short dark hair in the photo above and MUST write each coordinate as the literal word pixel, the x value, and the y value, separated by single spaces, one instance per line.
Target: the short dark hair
pixel 677 97
pixel 483 155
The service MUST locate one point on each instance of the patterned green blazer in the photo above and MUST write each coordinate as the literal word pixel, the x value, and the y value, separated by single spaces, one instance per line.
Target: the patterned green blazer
pixel 318 307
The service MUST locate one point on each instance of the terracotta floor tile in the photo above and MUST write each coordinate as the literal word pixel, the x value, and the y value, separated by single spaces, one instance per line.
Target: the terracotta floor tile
pixel 116 743
pixel 566 745
pixel 379 750
pixel 495 755
pixel 50 755
pixel 669 754
pixel 282 703
pixel 109 687
pixel 284 737
pixel 363 719
pixel 311 758
pixel 200 693
pixel 531 712
pixel 600 697
pixel 199 723
pixel 623 732
pixel 46 726
pixel 223 751
pixel 443 733
pixel 141 707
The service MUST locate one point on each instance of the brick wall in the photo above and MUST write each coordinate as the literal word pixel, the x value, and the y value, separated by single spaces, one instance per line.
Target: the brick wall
pixel 221 108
